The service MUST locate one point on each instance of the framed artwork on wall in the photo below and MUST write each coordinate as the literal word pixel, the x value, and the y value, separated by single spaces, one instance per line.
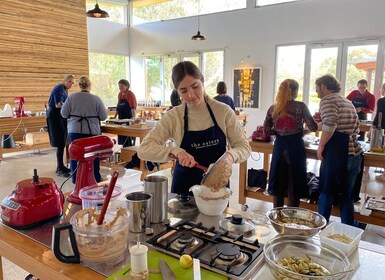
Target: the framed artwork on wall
pixel 247 87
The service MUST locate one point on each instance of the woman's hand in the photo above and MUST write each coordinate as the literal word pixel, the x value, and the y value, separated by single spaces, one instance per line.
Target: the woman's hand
pixel 185 159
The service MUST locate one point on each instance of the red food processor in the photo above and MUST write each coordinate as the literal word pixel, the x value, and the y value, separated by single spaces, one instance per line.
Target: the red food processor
pixel 32 202
pixel 85 150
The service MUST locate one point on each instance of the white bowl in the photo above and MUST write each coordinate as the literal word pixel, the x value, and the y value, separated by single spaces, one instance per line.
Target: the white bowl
pixel 215 202
pixel 338 228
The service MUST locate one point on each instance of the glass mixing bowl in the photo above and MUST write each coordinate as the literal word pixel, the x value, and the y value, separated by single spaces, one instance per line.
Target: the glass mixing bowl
pixel 300 247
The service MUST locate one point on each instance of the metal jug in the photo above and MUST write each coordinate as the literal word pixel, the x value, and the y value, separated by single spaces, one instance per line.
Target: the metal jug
pixel 157 186
pixel 377 134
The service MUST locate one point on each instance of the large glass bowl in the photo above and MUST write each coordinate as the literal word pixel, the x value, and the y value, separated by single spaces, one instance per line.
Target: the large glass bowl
pixel 296 221
pixel 301 247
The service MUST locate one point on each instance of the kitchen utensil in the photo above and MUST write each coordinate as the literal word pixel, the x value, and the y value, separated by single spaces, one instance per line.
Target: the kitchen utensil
pixel 197 269
pixel 262 224
pixel 108 197
pixel 85 150
pixel 94 196
pixel 32 202
pixel 296 221
pixel 183 206
pixel 139 205
pixel 377 134
pixel 210 203
pixel 153 257
pixel 237 224
pixel 351 232
pixel 300 247
pixel 138 256
pixel 157 187
pixel 197 165
pixel 94 245
pixel 166 270
pixel 216 171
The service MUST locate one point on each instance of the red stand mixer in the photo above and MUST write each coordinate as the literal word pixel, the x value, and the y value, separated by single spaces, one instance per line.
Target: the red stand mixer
pixel 19 110
pixel 85 150
pixel 32 202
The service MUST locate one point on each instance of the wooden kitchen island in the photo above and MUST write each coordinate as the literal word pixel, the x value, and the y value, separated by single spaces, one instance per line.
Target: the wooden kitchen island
pixel 266 148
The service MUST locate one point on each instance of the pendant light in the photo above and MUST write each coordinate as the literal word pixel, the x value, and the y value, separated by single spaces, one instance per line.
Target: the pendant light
pixel 97 12
pixel 198 36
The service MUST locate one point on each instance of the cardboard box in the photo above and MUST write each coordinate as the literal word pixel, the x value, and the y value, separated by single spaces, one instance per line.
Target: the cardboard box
pixel 36 138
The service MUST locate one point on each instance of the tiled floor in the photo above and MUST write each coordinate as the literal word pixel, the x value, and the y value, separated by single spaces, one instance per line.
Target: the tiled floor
pixel 17 167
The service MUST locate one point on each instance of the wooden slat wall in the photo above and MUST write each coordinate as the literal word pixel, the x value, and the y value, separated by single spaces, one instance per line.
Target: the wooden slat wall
pixel 20 127
pixel 40 42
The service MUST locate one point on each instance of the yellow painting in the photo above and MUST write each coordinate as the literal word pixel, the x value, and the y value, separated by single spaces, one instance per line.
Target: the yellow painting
pixel 247 87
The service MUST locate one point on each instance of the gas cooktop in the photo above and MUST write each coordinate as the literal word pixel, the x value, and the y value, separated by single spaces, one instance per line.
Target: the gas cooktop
pixel 219 251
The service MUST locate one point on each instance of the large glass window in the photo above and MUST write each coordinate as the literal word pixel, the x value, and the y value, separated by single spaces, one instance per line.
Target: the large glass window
pixel 290 65
pixel 117 13
pixel 361 64
pixel 159 68
pixel 105 72
pixel 165 10
pixel 322 61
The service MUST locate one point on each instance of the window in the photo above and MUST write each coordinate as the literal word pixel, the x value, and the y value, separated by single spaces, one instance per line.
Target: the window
pixel 117 13
pixel 361 64
pixel 105 72
pixel 348 61
pixel 165 10
pixel 290 65
pixel 272 2
pixel 159 68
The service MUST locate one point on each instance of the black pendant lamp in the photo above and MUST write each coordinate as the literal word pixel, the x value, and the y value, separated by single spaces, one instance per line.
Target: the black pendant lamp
pixel 97 12
pixel 198 36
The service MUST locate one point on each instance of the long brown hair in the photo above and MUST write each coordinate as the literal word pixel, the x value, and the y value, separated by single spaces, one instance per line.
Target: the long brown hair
pixel 287 91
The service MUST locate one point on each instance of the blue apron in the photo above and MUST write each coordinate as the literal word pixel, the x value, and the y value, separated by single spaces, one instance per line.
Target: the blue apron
pixel 206 146
pixel 333 167
pixel 295 148
pixel 124 112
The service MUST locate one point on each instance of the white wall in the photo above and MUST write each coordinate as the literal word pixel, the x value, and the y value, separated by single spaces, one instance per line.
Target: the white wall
pixel 253 32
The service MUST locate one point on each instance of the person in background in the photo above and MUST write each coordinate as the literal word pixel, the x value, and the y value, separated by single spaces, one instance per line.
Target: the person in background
pixel 338 150
pixel 125 109
pixel 200 128
pixel 222 95
pixel 84 111
pixel 285 119
pixel 363 101
pixel 380 109
pixel 57 125
pixel 174 99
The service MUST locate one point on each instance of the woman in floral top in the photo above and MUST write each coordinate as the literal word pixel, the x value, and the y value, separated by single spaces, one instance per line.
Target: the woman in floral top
pixel 285 120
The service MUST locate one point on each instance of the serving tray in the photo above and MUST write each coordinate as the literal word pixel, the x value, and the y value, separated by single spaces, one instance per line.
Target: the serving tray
pixel 375 204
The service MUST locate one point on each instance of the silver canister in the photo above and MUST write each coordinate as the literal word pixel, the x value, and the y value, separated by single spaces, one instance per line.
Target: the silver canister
pixel 139 205
pixel 376 138
pixel 157 186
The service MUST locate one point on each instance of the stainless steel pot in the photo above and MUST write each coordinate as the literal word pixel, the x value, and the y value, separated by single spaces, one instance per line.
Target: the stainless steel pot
pixel 139 205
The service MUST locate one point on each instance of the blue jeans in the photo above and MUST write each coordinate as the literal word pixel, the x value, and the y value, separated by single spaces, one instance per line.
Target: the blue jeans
pixel 74 163
pixel 325 202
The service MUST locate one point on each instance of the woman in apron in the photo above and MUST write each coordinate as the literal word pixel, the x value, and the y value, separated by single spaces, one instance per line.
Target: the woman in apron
pixel 200 127
pixel 57 125
pixel 125 109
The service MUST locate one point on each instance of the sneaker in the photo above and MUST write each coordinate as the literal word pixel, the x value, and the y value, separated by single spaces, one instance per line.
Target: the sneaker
pixel 381 177
pixel 65 169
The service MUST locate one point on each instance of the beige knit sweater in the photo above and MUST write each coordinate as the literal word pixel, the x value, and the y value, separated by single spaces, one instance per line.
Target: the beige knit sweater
pixel 171 126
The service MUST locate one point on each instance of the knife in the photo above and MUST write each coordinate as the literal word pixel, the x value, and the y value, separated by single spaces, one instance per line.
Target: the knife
pixel 166 271
pixel 197 269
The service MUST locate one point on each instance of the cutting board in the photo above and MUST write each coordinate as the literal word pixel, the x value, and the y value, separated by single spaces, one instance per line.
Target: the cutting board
pixel 153 258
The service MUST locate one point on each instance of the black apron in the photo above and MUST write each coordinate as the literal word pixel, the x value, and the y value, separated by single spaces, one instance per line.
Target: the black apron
pixel 57 127
pixel 124 112
pixel 360 102
pixel 333 167
pixel 206 146
pixel 295 148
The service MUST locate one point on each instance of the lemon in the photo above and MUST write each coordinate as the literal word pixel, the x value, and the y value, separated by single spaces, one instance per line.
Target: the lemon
pixel 185 261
